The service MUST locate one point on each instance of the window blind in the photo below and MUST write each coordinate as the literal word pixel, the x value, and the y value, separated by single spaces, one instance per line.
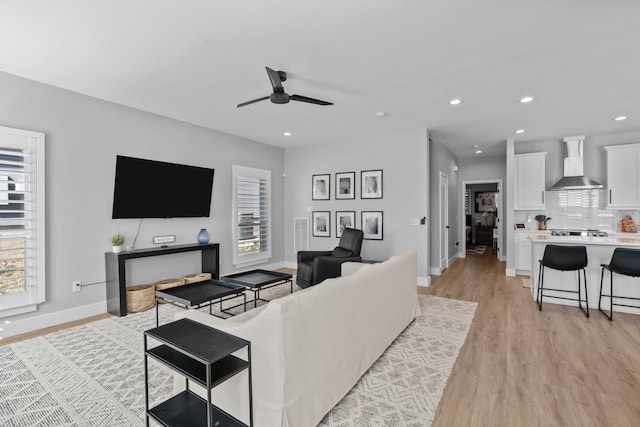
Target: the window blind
pixel 252 214
pixel 22 221
pixel 16 228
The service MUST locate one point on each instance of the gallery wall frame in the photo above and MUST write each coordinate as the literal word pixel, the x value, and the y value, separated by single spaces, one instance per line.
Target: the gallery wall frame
pixel 372 225
pixel 321 223
pixel 345 185
pixel 371 184
pixel 344 219
pixel 321 187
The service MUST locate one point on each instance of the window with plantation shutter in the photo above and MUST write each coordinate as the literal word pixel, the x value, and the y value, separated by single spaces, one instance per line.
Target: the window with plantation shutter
pixel 251 215
pixel 22 257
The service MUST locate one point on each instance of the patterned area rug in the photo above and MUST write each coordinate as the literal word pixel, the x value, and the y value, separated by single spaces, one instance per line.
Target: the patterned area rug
pixel 93 375
pixel 476 249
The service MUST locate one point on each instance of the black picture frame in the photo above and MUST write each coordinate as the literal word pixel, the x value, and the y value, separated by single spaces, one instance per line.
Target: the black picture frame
pixel 321 187
pixel 371 184
pixel 345 185
pixel 321 223
pixel 341 223
pixel 372 225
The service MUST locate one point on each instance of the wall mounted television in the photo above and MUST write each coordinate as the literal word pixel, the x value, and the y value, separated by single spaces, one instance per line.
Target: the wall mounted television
pixel 152 189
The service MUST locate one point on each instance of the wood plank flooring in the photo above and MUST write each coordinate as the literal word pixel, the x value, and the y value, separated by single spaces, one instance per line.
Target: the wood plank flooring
pixel 523 367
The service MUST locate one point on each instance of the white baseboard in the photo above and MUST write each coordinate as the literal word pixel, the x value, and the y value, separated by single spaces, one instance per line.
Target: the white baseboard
pixel 435 271
pixel 424 281
pixel 511 272
pixel 290 264
pixel 36 322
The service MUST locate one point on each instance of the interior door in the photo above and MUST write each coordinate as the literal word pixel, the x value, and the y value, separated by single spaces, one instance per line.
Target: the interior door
pixel 444 221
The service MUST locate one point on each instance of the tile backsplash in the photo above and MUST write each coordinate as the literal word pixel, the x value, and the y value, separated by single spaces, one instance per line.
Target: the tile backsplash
pixel 577 209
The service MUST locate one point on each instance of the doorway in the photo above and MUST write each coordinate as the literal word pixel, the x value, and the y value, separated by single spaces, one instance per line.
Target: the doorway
pixel 482 216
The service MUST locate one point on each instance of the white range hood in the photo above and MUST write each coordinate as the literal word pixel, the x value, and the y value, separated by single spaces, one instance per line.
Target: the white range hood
pixel 573 177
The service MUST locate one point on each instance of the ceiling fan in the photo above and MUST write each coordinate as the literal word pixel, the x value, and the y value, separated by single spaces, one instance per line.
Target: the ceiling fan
pixel 279 96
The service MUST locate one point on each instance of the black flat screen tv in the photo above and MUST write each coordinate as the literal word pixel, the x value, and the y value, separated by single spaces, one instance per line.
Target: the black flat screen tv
pixel 152 189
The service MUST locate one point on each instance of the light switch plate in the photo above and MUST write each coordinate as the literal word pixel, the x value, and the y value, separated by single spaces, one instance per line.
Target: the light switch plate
pixel 170 238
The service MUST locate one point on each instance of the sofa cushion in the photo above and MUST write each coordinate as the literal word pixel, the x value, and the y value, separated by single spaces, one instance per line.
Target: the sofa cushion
pixel 339 252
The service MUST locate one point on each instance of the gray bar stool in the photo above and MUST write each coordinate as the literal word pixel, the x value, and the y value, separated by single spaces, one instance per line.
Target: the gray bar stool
pixel 564 258
pixel 625 262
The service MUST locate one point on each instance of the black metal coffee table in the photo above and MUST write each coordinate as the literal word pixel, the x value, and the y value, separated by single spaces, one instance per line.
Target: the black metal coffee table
pixel 257 280
pixel 200 294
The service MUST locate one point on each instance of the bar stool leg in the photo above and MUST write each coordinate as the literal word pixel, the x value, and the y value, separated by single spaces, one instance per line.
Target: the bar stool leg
pixel 586 294
pixel 608 316
pixel 540 286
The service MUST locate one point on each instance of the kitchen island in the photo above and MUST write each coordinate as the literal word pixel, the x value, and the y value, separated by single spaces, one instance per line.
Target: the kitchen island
pixel 599 251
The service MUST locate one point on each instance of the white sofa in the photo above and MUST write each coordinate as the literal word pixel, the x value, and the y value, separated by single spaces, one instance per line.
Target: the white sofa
pixel 310 348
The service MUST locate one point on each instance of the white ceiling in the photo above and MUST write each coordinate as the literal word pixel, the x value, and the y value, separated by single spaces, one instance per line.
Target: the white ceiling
pixel 196 60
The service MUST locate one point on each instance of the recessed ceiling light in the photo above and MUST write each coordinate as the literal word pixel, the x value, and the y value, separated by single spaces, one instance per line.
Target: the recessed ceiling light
pixel 476 146
pixel 620 118
pixel 526 99
pixel 287 134
pixel 520 131
pixel 455 101
pixel 478 151
pixel 381 114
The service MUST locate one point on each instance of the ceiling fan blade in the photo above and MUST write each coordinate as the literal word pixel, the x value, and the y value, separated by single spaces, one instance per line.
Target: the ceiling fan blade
pixel 275 80
pixel 252 101
pixel 309 100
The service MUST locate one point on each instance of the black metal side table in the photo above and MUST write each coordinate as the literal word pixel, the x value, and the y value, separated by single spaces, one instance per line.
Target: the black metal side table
pixel 200 294
pixel 186 347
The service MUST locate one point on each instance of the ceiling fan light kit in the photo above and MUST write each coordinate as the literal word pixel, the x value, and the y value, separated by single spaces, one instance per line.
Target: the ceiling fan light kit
pixel 279 96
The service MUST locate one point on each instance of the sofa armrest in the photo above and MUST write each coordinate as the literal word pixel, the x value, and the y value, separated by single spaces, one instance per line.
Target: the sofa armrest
pixel 326 267
pixel 309 255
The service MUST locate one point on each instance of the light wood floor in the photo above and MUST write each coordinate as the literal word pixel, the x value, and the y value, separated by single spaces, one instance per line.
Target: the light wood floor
pixel 523 367
pixel 520 367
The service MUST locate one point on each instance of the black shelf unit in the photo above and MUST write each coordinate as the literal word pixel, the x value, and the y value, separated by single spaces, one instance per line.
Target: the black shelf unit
pixel 116 269
pixel 186 348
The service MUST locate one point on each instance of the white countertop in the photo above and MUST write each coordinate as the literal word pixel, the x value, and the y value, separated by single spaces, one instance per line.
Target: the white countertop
pixel 632 241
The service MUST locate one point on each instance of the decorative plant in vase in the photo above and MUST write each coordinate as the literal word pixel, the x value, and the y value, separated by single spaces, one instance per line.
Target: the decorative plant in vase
pixel 117 240
pixel 542 221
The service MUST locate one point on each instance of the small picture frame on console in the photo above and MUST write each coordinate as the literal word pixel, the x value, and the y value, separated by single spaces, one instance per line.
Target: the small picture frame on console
pixel 321 224
pixel 344 219
pixel 345 185
pixel 321 187
pixel 372 225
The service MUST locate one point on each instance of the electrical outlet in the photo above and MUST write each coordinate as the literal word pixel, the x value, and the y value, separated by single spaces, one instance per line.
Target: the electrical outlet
pixel 77 286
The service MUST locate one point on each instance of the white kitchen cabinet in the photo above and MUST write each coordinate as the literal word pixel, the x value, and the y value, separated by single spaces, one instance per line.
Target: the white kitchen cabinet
pixel 523 250
pixel 623 178
pixel 530 181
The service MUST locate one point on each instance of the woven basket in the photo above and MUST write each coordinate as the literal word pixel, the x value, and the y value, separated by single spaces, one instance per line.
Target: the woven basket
pixel 140 298
pixel 168 283
pixel 196 277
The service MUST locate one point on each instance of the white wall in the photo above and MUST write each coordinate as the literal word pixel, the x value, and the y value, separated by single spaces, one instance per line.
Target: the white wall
pixel 83 137
pixel 403 159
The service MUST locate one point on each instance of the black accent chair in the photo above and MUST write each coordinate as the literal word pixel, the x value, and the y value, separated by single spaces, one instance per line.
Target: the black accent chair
pixel 564 258
pixel 625 262
pixel 316 266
